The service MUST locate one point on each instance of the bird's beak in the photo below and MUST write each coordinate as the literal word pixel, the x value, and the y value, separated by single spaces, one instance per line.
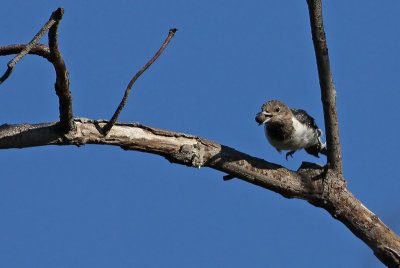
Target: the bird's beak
pixel 263 117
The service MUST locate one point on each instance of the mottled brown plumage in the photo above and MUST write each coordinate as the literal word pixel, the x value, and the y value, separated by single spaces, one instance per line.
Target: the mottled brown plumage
pixel 290 129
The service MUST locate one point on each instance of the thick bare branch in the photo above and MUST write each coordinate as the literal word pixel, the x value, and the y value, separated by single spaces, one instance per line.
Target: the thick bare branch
pixel 62 80
pixel 311 182
pixel 114 118
pixel 328 93
pixel 176 147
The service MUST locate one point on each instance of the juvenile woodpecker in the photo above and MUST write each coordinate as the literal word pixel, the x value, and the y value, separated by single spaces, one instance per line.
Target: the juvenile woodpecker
pixel 290 129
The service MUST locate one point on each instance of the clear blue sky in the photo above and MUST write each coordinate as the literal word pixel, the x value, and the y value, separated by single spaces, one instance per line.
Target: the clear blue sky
pixel 100 206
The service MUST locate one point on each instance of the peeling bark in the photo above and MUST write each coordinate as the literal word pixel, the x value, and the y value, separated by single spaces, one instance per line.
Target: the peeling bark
pixel 313 183
pixel 322 186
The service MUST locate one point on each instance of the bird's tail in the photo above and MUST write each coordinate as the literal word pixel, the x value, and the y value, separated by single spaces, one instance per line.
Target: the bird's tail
pixel 319 148
pixel 323 149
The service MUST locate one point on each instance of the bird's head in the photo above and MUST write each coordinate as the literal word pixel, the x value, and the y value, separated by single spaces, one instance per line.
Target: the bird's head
pixel 272 110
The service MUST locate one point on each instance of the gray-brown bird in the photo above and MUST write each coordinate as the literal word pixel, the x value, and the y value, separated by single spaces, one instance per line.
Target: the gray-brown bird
pixel 290 129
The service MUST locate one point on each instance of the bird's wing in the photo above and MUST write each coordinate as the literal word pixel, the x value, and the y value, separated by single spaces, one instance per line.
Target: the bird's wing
pixel 304 118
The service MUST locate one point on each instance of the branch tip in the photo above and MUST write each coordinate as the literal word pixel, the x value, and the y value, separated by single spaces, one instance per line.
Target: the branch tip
pixel 6 74
pixel 57 14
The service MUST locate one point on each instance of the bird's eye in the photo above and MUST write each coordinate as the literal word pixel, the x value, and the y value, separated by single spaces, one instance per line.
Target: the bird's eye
pixel 277 109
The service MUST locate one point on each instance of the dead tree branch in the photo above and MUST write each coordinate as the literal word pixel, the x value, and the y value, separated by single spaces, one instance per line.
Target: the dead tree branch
pixel 323 187
pixel 308 183
pixel 328 93
pixel 386 247
pixel 52 54
pixel 27 49
pixel 38 49
pixel 62 80
pixel 114 118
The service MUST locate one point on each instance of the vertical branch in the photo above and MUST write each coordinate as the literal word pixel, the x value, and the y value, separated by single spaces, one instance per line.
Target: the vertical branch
pixel 62 80
pixel 328 92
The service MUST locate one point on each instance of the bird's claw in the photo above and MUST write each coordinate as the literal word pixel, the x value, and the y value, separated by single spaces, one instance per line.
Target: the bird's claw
pixel 289 154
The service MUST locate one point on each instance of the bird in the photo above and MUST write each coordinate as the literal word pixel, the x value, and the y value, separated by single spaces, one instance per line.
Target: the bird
pixel 290 129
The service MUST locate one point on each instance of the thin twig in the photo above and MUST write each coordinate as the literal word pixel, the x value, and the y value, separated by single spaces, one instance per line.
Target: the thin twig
pixel 328 93
pixel 114 118
pixel 13 62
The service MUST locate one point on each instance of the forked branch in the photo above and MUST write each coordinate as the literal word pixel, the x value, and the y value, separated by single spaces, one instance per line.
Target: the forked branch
pixel 386 245
pixel 319 186
pixel 307 183
pixel 26 49
pixel 52 54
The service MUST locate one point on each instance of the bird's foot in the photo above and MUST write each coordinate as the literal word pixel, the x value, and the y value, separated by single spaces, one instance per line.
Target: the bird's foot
pixel 289 154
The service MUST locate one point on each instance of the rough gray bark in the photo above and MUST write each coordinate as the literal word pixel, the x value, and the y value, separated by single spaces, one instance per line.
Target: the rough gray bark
pixel 328 92
pixel 340 202
pixel 313 183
